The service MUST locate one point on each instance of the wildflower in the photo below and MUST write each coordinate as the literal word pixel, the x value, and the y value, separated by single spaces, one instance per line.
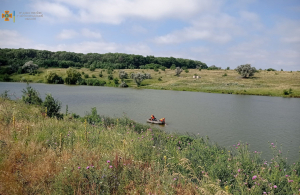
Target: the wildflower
pixel 233 145
pixel 290 181
pixel 110 166
pixel 265 192
pixel 236 147
pixel 174 179
pixel 87 167
pixel 286 175
pixel 78 167
pixel 68 135
pixel 254 151
pixel 254 177
pixel 239 170
pixel 272 144
pixel 275 186
pixel 108 161
pixel 238 144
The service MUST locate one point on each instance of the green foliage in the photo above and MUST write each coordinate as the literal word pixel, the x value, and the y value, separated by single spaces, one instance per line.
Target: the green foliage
pixel 246 70
pixel 5 77
pixel 30 67
pixel 213 67
pixel 160 79
pixel 82 73
pixel 156 69
pixel 31 96
pixel 288 92
pixel 138 78
pixel 224 75
pixel 101 74
pixel 72 76
pixel 199 69
pixel 178 71
pixel 86 76
pixel 94 82
pixel 271 69
pixel 123 84
pixel 53 106
pixel 92 68
pixel 186 70
pixel 52 77
pixel 163 68
pixel 281 70
pixel 173 67
pixel 5 95
pixel 93 76
pixel 110 77
pixel 228 68
pixel 116 81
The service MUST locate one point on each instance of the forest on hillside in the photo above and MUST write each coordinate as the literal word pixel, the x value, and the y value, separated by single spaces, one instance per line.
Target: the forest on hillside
pixel 16 58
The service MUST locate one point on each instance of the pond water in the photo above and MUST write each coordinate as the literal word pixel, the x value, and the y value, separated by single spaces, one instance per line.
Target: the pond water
pixel 226 119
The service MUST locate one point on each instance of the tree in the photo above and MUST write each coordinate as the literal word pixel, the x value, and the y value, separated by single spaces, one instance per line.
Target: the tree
pixel 178 71
pixel 72 76
pixel 31 96
pixel 52 77
pixel 30 67
pixel 53 106
pixel 123 75
pixel 246 70
pixel 138 78
pixel 173 67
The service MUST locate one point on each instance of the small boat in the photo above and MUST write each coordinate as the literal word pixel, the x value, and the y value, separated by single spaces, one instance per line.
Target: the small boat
pixel 155 122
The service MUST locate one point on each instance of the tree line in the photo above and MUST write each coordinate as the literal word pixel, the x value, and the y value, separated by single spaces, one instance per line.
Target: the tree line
pixel 63 59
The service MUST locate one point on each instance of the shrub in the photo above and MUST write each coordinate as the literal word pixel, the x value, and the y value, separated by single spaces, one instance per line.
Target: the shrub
pixel 86 76
pixel 95 82
pixel 52 77
pixel 93 76
pixel 6 77
pixel 72 76
pixel 30 67
pixel 147 76
pixel 110 77
pixel 288 92
pixel 116 81
pixel 31 96
pixel 123 75
pixel 173 67
pixel 53 106
pixel 138 78
pixel 186 70
pixel 123 84
pixel 82 73
pixel 163 68
pixel 92 68
pixel 281 70
pixel 246 70
pixel 100 74
pixel 199 69
pixel 178 71
pixel 224 75
pixel 159 79
pixel 271 69
pixel 228 68
pixel 213 67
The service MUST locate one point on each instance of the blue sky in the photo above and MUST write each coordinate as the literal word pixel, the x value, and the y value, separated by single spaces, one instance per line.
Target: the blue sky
pixel 265 34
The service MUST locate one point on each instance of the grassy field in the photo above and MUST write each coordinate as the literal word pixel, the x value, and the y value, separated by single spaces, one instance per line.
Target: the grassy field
pixel 267 83
pixel 42 155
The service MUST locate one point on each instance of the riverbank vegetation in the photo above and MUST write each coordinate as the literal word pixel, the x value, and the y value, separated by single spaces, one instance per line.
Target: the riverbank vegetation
pixel 20 65
pixel 96 154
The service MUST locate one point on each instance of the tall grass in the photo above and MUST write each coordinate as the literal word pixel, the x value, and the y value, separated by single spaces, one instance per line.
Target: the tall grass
pixel 41 155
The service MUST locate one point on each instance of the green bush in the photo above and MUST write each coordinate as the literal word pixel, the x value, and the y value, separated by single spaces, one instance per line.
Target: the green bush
pixel 31 96
pixel 92 68
pixel 224 75
pixel 94 82
pixel 72 76
pixel 163 68
pixel 53 106
pixel 228 68
pixel 110 77
pixel 123 84
pixel 246 70
pixel 116 81
pixel 93 76
pixel 173 67
pixel 186 70
pixel 86 76
pixel 52 77
pixel 123 75
pixel 159 79
pixel 271 69
pixel 213 67
pixel 288 92
pixel 199 69
pixel 100 74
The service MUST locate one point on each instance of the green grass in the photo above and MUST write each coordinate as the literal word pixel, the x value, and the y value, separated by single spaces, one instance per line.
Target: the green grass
pixel 41 155
pixel 212 81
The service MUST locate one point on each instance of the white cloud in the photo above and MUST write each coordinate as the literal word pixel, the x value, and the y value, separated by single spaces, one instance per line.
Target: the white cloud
pixel 90 34
pixel 67 34
pixel 70 34
pixel 13 39
pixel 116 11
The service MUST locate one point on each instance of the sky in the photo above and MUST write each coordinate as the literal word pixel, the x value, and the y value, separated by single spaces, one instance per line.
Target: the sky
pixel 224 33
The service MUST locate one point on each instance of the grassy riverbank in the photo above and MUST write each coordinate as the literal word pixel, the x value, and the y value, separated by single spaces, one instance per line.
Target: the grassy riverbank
pixel 42 155
pixel 266 83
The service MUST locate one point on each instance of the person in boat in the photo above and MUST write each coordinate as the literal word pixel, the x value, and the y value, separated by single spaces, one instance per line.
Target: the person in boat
pixel 153 118
pixel 162 120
